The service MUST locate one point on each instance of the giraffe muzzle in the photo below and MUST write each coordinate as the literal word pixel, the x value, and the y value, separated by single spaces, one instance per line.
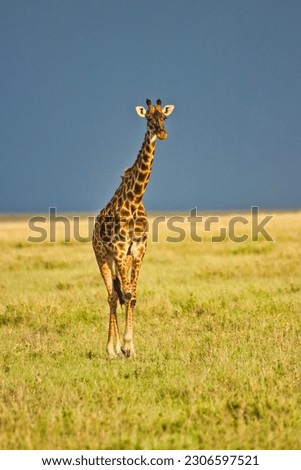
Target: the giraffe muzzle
pixel 162 134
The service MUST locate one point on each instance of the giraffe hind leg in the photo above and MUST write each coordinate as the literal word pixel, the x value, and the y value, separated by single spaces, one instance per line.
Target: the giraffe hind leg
pixel 117 287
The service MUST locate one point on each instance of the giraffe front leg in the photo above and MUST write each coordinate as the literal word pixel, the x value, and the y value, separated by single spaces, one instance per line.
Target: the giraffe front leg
pixel 128 344
pixel 137 261
pixel 113 344
pixel 111 337
pixel 124 263
pixel 123 266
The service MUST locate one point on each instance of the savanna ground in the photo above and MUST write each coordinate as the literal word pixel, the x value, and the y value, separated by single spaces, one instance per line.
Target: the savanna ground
pixel 217 335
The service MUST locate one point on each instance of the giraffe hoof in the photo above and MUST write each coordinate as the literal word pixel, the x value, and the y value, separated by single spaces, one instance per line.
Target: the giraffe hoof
pixel 126 352
pixel 133 303
pixel 117 355
pixel 112 355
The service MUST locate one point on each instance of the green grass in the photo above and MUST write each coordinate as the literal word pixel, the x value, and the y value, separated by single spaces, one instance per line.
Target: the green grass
pixel 217 335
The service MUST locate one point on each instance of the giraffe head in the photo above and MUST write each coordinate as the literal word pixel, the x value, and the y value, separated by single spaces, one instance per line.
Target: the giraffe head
pixel 155 116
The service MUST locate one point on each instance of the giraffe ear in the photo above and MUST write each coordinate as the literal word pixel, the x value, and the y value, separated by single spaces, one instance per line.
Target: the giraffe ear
pixel 168 109
pixel 141 111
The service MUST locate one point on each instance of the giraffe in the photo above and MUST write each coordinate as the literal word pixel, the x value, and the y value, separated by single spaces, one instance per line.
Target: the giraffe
pixel 120 232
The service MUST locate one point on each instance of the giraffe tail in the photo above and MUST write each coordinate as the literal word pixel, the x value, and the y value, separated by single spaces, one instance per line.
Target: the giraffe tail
pixel 117 287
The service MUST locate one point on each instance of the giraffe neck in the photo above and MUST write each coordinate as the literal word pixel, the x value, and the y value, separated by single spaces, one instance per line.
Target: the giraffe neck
pixel 137 177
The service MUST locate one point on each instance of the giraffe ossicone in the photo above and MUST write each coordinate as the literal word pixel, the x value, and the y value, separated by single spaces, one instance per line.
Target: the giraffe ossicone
pixel 120 232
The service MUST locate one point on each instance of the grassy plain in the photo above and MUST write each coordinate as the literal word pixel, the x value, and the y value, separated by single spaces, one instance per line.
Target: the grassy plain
pixel 217 335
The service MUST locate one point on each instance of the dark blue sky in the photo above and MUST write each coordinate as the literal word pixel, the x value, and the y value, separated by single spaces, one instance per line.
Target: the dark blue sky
pixel 72 72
